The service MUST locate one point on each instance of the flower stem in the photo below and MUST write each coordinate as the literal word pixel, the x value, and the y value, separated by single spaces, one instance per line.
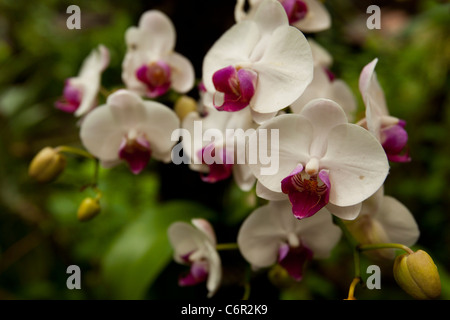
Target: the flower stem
pixel 76 151
pixel 351 291
pixel 376 246
pixel 227 246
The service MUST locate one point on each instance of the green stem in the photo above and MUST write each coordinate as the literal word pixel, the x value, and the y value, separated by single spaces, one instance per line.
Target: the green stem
pixel 76 151
pixel 227 246
pixel 376 246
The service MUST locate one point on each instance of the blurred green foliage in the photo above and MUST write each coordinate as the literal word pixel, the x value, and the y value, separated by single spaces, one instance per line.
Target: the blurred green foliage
pixel 124 252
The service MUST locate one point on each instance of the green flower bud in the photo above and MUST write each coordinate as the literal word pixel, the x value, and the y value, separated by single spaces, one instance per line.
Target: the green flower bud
pixel 279 277
pixel 184 105
pixel 417 274
pixel 88 209
pixel 47 165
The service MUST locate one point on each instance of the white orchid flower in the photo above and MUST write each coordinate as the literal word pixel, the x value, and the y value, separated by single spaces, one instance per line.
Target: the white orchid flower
pixel 151 66
pixel 261 63
pixel 323 161
pixel 389 130
pixel 221 139
pixel 306 15
pixel 80 92
pixel 195 245
pixel 127 128
pixel 271 235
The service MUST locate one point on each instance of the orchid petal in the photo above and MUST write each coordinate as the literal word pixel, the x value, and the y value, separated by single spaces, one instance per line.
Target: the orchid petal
pixel 295 135
pixel 398 222
pixel 155 33
pixel 286 67
pixel 357 164
pixel 230 49
pixel 324 114
pixel 317 19
pixel 183 74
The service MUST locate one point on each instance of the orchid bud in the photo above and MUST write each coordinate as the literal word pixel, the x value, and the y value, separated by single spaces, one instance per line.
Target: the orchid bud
pixel 417 274
pixel 184 105
pixel 47 165
pixel 88 209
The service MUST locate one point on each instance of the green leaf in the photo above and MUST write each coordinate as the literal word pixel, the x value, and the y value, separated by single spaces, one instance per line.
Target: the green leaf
pixel 142 250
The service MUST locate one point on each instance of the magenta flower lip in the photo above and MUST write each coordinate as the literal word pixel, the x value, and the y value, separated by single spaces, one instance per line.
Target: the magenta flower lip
pixel 307 194
pixel 238 87
pixel 156 76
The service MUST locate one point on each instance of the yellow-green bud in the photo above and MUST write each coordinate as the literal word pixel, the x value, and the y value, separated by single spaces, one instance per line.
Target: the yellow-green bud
pixel 417 274
pixel 88 209
pixel 184 105
pixel 279 277
pixel 47 165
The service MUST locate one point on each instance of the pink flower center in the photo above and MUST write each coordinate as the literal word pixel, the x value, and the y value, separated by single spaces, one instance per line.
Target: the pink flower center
pixel 237 87
pixel 292 259
pixel 296 10
pixel 136 152
pixel 71 98
pixel 307 193
pixel 156 76
pixel 198 272
pixel 220 167
pixel 394 141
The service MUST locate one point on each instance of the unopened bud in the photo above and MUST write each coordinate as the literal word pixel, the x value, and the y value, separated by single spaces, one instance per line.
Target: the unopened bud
pixel 184 105
pixel 47 165
pixel 88 209
pixel 417 274
pixel 279 277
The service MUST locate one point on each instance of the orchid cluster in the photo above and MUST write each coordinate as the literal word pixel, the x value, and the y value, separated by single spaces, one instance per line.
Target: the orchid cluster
pixel 262 75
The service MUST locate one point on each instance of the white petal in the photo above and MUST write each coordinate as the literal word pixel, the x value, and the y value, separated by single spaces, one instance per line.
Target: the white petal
pixel 206 227
pixel 316 89
pixel 398 222
pixel 182 72
pixel 89 78
pixel 270 15
pixel 99 127
pixel 324 115
pixel 317 18
pixel 321 57
pixel 131 62
pixel 263 192
pixel 104 128
pixel 260 118
pixel 371 206
pixel 262 233
pixel 215 271
pixel 284 70
pixel 156 33
pixel 346 213
pixel 319 233
pixel 158 124
pixel 243 177
pixel 373 97
pixel 340 92
pixel 233 47
pixel 291 148
pixel 184 239
pixel 357 164
pixel 189 136
pixel 96 62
